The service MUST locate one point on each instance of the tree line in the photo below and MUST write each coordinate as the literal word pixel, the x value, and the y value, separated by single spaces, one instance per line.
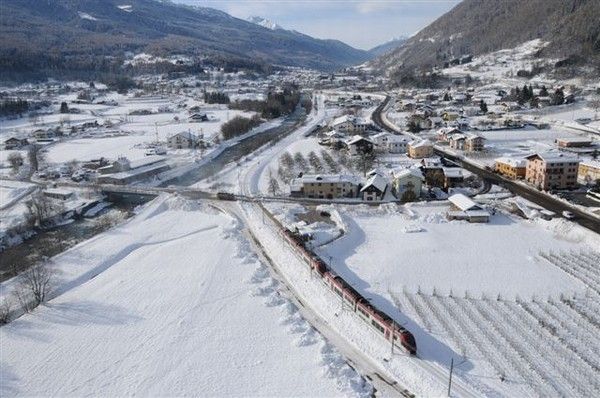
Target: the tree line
pixel 275 105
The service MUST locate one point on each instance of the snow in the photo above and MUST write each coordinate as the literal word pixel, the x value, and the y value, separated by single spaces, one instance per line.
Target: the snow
pixel 167 304
pixel 265 23
pixel 457 256
pixel 13 191
pixel 87 16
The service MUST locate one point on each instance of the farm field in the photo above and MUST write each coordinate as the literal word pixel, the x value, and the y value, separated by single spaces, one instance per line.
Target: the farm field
pixel 456 282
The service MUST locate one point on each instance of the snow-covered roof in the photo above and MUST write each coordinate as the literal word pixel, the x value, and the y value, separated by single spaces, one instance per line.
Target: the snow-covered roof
pixel 463 202
pixel 343 119
pixel 402 173
pixel 592 163
pixel 420 143
pixel 574 140
pixel 554 157
pixel 453 172
pixel 399 138
pixel 376 181
pixel 146 161
pixel 329 178
pixel 188 135
pixel 512 162
pixel 357 138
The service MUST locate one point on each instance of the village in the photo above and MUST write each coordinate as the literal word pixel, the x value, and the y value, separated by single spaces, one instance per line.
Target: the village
pixel 426 201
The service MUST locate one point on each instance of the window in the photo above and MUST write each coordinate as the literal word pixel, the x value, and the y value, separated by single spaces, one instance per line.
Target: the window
pixel 377 326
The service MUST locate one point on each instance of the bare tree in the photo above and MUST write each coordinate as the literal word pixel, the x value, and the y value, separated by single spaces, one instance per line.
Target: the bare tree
pixel 5 308
pixel 315 162
pixel 364 161
pixel 331 163
pixel 595 105
pixel 273 184
pixel 36 282
pixel 40 208
pixel 73 165
pixel 16 161
pixel 35 156
pixel 300 161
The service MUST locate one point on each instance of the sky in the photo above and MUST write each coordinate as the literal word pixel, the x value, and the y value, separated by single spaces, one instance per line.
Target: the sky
pixel 361 23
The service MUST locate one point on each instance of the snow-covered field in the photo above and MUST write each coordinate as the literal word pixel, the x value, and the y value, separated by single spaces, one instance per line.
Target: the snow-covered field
pixel 503 295
pixel 170 303
pixel 425 251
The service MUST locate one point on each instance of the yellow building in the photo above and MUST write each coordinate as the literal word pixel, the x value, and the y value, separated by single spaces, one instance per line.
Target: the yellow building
pixel 589 172
pixel 420 149
pixel 511 168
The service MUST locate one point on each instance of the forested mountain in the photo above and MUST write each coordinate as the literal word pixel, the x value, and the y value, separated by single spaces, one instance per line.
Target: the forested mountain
pixel 387 46
pixel 46 36
pixel 479 26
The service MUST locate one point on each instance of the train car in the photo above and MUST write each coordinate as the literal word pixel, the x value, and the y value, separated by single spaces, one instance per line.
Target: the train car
pixel 225 196
pixel 352 299
pixel 407 340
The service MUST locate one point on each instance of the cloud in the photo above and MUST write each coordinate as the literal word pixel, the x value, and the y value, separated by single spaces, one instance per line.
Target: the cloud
pixel 370 6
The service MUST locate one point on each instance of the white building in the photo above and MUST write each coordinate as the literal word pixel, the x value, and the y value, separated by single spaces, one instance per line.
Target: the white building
pixel 407 180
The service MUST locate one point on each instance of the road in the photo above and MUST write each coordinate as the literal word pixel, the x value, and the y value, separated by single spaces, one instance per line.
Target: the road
pixel 542 199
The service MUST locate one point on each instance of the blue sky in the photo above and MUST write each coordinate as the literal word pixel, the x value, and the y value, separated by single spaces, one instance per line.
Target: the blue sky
pixel 360 23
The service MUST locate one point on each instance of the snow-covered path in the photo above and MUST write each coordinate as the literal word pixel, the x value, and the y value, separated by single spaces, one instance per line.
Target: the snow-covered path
pixel 188 312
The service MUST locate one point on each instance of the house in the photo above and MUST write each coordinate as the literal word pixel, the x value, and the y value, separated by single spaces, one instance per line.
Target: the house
pixel 407 183
pixel 374 189
pixel 332 137
pixel 436 121
pixel 397 144
pixel 15 143
pixel 511 167
pixel 325 186
pixel 42 135
pixel 358 144
pixel 183 140
pixel 457 141
pixel 552 171
pixel 198 117
pixel 474 143
pixel 117 166
pixel 589 172
pixel 381 139
pixel 57 193
pixel 450 116
pixel 350 124
pixel 453 176
pixel 463 208
pixel 444 133
pixel 420 149
pixel 573 142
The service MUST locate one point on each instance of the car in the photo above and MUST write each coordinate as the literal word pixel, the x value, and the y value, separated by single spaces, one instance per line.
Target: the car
pixel 568 215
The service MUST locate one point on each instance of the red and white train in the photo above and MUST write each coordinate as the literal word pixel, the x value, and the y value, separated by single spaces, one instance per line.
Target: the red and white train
pixel 350 298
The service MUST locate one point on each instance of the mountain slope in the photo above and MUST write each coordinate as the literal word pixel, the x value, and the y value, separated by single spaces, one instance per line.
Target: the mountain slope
pixel 387 46
pixel 480 26
pixel 61 34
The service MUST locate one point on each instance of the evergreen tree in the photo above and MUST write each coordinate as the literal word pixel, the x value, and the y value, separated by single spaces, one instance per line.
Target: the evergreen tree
pixel 64 108
pixel 483 107
pixel 558 98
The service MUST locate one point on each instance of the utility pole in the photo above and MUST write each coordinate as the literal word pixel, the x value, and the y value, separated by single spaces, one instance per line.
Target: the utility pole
pixel 450 379
pixel 392 339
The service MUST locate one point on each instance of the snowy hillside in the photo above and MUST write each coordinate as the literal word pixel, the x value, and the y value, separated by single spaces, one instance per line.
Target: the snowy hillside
pixel 265 23
pixel 175 305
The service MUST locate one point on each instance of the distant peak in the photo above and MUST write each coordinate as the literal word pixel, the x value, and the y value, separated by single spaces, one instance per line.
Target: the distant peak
pixel 264 22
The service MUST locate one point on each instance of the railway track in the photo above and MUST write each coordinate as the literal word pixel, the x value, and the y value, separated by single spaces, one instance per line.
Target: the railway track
pixel 545 200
